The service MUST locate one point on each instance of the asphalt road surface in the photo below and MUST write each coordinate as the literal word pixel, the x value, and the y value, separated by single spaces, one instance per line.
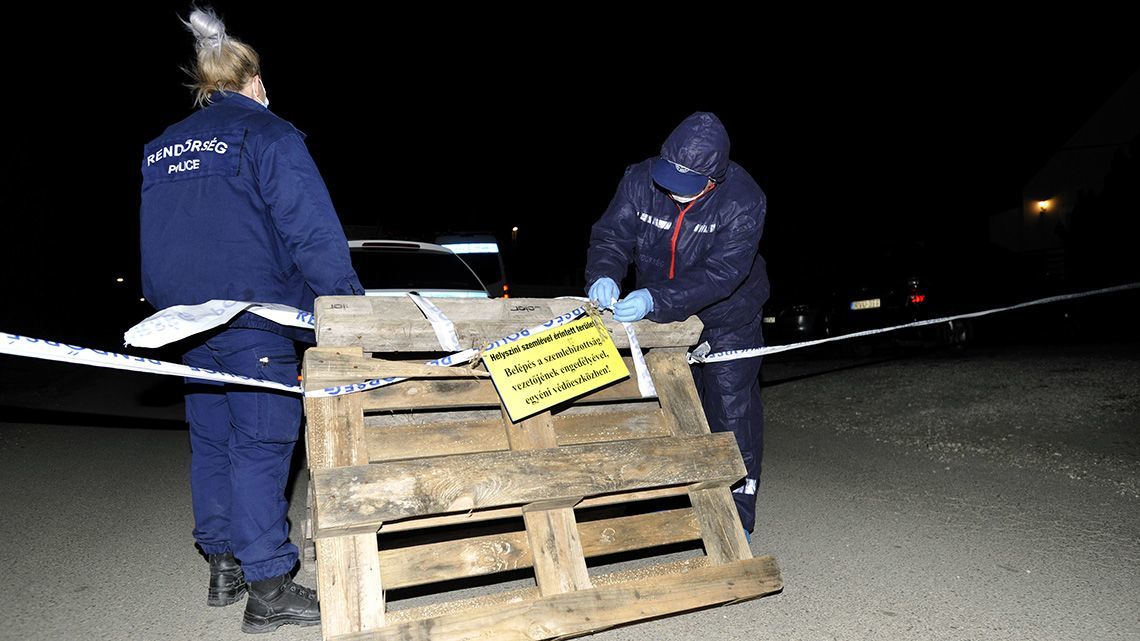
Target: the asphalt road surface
pixel 909 493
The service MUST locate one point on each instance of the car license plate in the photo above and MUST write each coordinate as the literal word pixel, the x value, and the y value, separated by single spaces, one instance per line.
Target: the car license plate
pixel 770 319
pixel 870 303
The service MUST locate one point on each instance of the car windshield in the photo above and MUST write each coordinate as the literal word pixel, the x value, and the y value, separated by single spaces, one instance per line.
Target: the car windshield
pixel 388 268
pixel 485 265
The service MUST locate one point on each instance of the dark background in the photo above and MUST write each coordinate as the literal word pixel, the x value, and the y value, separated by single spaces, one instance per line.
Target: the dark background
pixel 866 131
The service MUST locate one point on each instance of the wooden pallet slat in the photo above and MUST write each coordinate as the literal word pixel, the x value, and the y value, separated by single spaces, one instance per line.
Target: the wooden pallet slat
pixel 363 496
pixel 436 452
pixel 479 516
pixel 348 572
pixel 391 442
pixel 328 369
pixel 453 393
pixel 397 325
pixel 481 555
pixel 678 395
pixel 631 596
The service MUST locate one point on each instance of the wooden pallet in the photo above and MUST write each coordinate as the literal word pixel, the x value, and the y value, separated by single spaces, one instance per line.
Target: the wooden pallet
pixel 440 454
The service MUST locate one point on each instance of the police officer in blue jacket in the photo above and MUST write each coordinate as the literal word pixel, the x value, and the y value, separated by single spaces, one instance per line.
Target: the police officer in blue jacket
pixel 233 208
pixel 690 221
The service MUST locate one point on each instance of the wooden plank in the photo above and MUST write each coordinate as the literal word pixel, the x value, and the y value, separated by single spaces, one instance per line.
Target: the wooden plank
pixel 334 427
pixel 498 599
pixel 390 442
pixel 397 325
pixel 658 592
pixel 431 394
pixel 348 569
pixel 578 429
pixel 478 516
pixel 308 550
pixel 559 564
pixel 457 393
pixel 533 433
pixel 367 495
pixel 677 393
pixel 482 555
pixel 721 531
pixel 348 575
pixel 325 369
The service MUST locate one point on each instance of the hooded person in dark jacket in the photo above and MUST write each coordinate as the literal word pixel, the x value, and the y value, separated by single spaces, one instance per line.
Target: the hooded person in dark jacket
pixel 233 208
pixel 690 221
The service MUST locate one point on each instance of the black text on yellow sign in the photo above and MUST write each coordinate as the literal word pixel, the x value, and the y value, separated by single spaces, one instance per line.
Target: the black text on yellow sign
pixel 537 372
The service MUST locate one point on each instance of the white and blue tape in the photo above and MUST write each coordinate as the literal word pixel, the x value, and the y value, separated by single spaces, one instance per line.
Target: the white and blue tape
pixel 444 328
pixel 178 322
pixel 644 380
pixel 17 345
pixel 163 328
pixel 701 353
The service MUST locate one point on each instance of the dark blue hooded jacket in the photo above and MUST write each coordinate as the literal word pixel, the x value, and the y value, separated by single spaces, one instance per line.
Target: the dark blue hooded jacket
pixel 718 273
pixel 233 208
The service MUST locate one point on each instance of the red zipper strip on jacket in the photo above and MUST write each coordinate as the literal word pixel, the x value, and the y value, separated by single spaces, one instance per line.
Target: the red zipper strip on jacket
pixel 677 229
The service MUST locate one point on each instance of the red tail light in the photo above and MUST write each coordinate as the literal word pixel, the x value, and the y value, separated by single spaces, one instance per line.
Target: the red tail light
pixel 917 298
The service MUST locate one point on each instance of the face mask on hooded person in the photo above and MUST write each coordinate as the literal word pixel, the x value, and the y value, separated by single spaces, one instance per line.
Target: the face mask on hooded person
pixel 688 199
pixel 682 184
pixel 685 199
pixel 264 94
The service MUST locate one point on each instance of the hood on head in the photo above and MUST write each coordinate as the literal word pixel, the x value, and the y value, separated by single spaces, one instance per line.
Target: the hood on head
pixel 699 144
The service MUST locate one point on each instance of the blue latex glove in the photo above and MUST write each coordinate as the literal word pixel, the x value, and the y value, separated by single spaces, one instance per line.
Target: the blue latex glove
pixel 633 307
pixel 604 292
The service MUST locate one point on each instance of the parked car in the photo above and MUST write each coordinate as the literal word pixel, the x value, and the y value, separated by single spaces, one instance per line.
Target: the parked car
pixel 804 314
pixel 396 267
pixel 881 297
pixel 481 252
pixel 876 288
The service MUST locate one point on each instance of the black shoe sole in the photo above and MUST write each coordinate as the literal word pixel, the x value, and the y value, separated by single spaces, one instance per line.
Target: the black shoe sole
pixel 220 599
pixel 258 625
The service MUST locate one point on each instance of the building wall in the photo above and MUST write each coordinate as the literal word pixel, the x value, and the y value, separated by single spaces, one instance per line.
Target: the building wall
pixel 1077 168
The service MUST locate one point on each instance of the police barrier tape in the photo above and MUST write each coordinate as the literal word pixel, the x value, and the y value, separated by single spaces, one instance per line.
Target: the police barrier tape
pixel 440 323
pixel 175 323
pixel 644 380
pixel 17 345
pixel 701 353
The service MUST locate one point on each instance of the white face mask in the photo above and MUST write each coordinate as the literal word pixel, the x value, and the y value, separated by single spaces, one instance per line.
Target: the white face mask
pixel 685 199
pixel 689 199
pixel 265 94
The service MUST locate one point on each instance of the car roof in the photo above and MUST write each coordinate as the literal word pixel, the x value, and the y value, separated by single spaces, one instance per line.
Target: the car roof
pixel 407 245
pixel 364 247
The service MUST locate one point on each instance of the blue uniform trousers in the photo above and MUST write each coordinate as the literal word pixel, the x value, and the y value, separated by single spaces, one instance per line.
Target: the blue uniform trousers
pixel 241 441
pixel 730 396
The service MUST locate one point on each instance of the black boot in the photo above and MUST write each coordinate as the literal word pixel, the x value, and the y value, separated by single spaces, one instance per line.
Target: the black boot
pixel 227 581
pixel 275 602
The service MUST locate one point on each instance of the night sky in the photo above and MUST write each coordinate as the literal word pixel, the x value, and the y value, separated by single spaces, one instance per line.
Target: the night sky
pixel 862 133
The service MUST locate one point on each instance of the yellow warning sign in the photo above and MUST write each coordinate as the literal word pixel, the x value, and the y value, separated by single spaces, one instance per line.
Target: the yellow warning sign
pixel 539 371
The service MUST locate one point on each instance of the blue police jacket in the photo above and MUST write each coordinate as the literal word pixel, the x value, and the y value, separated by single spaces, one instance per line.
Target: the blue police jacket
pixel 705 262
pixel 233 208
